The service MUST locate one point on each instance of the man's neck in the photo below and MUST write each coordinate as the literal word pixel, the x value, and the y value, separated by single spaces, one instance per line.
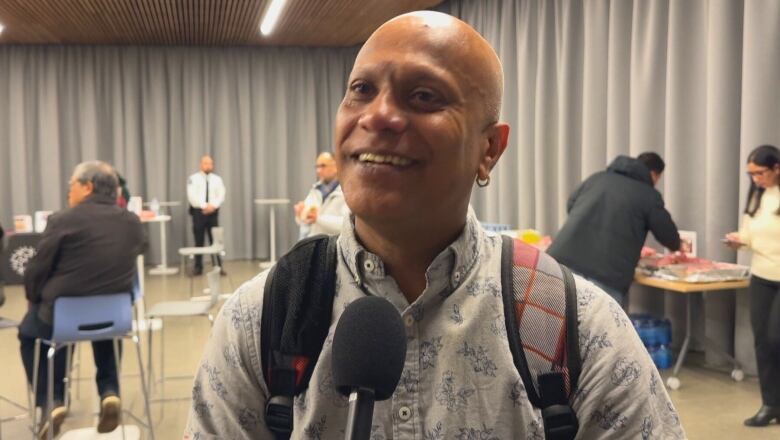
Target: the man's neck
pixel 407 252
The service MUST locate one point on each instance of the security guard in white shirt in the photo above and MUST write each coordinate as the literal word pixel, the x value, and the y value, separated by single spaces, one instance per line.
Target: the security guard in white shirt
pixel 205 193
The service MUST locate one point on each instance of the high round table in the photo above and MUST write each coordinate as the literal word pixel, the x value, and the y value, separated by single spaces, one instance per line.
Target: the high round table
pixel 272 203
pixel 162 268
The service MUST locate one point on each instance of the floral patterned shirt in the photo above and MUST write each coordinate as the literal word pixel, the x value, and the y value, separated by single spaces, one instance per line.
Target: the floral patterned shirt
pixel 459 380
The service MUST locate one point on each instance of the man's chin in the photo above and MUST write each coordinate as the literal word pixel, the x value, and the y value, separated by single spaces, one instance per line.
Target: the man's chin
pixel 383 211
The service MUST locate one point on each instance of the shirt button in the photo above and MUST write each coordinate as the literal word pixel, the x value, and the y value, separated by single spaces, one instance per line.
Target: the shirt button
pixel 368 265
pixel 404 413
pixel 409 320
pixel 457 277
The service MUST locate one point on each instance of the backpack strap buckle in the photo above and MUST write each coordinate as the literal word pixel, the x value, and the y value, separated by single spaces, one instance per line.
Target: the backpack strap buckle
pixel 560 421
pixel 279 416
pixel 282 377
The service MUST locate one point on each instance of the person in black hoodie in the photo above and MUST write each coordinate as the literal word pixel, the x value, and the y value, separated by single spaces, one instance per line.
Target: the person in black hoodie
pixel 610 214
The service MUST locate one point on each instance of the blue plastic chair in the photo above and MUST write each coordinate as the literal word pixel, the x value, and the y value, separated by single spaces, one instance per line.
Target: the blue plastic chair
pixel 90 318
pixel 136 294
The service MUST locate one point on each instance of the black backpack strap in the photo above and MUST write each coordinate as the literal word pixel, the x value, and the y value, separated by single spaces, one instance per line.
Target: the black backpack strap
pixel 297 310
pixel 549 392
pixel 573 358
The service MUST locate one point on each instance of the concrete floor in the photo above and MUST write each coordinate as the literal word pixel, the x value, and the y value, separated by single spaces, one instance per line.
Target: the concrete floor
pixel 711 405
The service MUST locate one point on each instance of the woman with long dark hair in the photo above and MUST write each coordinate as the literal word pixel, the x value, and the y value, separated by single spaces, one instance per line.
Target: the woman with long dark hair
pixel 760 233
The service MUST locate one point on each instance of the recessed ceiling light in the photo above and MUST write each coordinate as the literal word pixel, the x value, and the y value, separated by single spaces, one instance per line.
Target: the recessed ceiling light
pixel 272 16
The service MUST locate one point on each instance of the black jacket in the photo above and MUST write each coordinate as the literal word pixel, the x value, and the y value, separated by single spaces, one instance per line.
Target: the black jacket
pixel 609 216
pixel 85 250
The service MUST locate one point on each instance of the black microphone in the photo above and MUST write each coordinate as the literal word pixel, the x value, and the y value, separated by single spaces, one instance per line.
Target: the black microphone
pixel 369 350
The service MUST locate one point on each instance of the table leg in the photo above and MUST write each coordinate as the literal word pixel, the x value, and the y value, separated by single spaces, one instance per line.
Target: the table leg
pixel 709 343
pixel 139 302
pixel 687 340
pixel 163 269
pixel 673 382
pixel 163 246
pixel 272 240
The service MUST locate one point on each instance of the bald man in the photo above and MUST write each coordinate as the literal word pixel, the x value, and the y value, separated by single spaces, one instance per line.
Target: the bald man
pixel 206 194
pixel 417 128
pixel 323 210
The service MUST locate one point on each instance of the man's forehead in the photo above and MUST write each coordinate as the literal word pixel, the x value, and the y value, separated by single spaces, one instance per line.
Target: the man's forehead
pixel 452 44
pixel 419 54
pixel 410 36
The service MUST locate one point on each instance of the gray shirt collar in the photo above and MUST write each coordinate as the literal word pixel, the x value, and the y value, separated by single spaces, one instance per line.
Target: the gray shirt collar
pixel 456 261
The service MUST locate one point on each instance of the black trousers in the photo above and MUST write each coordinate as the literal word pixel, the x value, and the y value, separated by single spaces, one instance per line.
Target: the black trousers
pixel 201 226
pixel 765 320
pixel 103 352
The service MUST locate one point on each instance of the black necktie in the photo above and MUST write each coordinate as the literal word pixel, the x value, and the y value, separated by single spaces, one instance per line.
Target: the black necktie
pixel 207 188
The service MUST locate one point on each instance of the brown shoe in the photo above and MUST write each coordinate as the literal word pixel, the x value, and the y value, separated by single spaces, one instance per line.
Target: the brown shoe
pixel 57 417
pixel 110 411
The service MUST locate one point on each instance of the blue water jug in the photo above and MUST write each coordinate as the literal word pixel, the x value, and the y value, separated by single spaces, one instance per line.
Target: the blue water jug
pixel 645 330
pixel 662 357
pixel 664 332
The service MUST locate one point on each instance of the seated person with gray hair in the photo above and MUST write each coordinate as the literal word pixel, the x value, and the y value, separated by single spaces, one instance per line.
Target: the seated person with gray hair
pixel 87 249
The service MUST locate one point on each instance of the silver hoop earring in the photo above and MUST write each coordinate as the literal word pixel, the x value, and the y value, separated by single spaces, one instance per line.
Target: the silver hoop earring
pixel 483 183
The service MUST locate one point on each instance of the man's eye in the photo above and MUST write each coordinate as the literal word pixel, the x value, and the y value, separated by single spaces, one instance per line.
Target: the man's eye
pixel 360 88
pixel 425 98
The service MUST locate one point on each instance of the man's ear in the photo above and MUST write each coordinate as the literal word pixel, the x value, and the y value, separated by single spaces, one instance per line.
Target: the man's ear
pixel 655 176
pixel 497 138
pixel 90 187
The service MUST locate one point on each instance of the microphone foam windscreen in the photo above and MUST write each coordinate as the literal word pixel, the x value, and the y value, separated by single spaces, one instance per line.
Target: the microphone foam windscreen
pixel 369 347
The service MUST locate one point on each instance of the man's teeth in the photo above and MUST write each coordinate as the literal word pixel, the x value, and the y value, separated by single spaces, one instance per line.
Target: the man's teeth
pixel 382 158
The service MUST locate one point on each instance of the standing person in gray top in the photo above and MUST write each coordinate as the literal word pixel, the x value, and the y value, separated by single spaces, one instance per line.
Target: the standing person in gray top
pixel 609 216
pixel 417 127
pixel 323 210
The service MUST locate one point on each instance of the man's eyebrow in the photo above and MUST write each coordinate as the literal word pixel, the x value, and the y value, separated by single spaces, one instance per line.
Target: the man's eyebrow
pixel 370 67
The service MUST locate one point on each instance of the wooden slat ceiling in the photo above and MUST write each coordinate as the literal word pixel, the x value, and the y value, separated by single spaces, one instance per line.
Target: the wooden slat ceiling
pixel 196 22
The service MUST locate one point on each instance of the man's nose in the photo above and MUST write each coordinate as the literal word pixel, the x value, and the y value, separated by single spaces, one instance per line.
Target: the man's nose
pixel 384 114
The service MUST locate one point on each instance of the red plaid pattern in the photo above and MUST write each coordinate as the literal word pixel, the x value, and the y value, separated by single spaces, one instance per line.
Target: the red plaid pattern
pixel 540 310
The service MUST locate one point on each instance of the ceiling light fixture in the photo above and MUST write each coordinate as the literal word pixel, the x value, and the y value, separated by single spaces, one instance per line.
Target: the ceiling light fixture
pixel 272 16
pixel 2 28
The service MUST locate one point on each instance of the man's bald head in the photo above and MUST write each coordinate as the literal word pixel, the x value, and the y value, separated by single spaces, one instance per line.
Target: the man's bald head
pixel 326 156
pixel 326 167
pixel 419 124
pixel 206 163
pixel 456 45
